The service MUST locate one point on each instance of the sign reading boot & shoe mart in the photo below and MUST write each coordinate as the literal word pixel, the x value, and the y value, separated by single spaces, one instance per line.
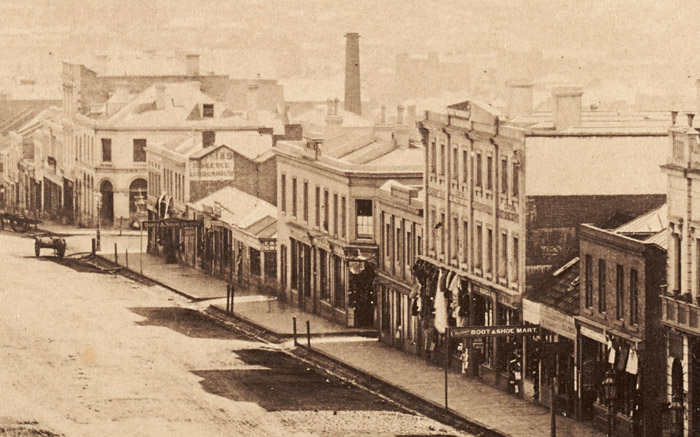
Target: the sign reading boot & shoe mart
pixel 494 331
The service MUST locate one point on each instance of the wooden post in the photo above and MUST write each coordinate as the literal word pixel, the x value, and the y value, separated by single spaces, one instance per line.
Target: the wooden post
pixel 116 257
pixel 294 326
pixel 447 362
pixel 127 258
pixel 308 334
pixel 141 249
pixel 94 248
pixel 120 226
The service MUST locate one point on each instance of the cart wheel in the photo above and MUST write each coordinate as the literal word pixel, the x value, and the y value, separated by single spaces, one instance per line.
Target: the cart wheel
pixel 37 250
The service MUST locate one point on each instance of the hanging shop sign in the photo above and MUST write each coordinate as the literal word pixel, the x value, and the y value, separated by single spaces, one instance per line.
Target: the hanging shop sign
pixel 216 165
pixel 557 322
pixel 494 331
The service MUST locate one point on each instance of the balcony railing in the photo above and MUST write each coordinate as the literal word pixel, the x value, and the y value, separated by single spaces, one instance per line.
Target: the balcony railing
pixel 677 312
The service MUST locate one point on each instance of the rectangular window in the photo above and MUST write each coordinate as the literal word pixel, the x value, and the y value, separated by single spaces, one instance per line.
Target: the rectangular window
pixel 503 263
pixel 516 180
pixel 318 206
pixel 441 164
pixel 479 175
pixel 455 238
pixel 140 150
pixel 326 212
pixel 465 166
pixel 335 214
pixel 254 262
pixel 489 173
pixel 365 224
pixel 479 247
pixel 442 233
pixel 106 150
pixel 601 286
pixel 465 241
pixel 208 110
pixel 589 281
pixel 208 138
pixel 343 217
pixel 634 297
pixel 455 164
pixel 516 259
pixel 433 157
pixel 620 293
pixel 489 250
pixel 504 176
pixel 433 229
pixel 677 263
pixel 294 197
pixel 306 201
pixel 283 193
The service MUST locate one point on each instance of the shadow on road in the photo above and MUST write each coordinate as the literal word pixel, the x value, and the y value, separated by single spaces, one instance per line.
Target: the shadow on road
pixel 288 384
pixel 187 322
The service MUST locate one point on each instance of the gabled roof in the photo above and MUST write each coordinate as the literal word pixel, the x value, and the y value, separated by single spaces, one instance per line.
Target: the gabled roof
pixel 15 113
pixel 560 290
pixel 646 224
pixel 238 208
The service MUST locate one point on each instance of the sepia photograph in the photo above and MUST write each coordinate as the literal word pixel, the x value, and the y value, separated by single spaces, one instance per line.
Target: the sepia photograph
pixel 394 218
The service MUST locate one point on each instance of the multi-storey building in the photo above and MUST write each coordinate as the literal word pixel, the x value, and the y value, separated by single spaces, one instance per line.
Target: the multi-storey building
pixel 680 303
pixel 504 196
pixel 327 182
pixel 400 238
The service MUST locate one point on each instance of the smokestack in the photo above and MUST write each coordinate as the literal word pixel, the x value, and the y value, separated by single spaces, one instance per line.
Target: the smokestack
pixel 567 107
pixel 353 101
pixel 401 132
pixel 399 115
pixel 192 64
pixel 251 102
pixel 519 99
pixel 160 96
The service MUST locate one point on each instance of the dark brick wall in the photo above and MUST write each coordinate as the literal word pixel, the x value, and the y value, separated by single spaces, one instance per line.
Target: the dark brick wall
pixel 256 179
pixel 552 220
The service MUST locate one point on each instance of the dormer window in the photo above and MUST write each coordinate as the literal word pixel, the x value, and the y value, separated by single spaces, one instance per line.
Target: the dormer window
pixel 208 138
pixel 208 110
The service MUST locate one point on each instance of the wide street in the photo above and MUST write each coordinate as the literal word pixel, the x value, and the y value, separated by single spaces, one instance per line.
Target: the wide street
pixel 92 354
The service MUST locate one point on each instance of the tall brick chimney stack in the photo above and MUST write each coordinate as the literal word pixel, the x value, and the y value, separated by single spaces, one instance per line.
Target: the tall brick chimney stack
pixel 352 73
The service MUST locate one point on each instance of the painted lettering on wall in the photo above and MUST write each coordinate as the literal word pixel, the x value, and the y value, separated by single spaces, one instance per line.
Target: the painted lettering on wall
pixel 214 166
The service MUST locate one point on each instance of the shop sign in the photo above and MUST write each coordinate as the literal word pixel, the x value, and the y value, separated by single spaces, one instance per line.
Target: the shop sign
pixel 494 331
pixel 592 334
pixel 177 223
pixel 558 323
pixel 531 311
pixel 215 165
pixel 269 245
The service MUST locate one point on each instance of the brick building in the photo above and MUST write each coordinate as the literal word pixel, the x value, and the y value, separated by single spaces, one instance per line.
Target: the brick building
pixel 504 195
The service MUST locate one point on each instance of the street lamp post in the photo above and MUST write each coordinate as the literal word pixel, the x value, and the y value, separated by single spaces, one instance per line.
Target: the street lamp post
pixel 610 392
pixel 98 202
pixel 677 415
pixel 141 211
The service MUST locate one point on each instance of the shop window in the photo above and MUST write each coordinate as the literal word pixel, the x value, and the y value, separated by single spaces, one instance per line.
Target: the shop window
pixel 139 150
pixel 601 286
pixel 365 223
pixel 634 297
pixel 254 262
pixel 294 264
pixel 208 138
pixel 106 150
pixel 338 284
pixel 270 265
pixel 323 271
pixel 620 293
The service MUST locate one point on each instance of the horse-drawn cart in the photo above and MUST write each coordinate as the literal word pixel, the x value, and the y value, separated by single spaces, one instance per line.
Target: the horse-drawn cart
pixel 58 244
pixel 18 223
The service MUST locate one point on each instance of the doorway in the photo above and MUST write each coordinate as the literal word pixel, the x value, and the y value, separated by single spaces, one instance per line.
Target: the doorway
pixel 107 208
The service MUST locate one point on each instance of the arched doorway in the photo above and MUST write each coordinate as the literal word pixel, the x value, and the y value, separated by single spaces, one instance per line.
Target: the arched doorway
pixel 107 208
pixel 137 189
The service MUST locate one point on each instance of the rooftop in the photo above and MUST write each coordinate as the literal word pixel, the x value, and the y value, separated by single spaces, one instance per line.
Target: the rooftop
pixel 560 290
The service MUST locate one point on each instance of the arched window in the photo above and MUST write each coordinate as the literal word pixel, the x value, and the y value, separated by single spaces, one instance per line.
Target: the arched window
pixel 137 188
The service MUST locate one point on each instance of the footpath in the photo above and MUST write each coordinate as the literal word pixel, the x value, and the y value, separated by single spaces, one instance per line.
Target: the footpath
pixel 467 397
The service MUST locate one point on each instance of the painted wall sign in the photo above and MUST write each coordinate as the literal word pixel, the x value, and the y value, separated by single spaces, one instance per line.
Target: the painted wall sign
pixel 595 335
pixel 215 165
pixel 557 322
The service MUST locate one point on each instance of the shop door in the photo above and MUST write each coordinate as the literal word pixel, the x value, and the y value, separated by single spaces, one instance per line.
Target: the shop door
pixel 308 303
pixel 107 207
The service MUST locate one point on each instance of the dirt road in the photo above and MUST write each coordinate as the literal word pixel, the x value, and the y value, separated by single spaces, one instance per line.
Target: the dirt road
pixel 91 354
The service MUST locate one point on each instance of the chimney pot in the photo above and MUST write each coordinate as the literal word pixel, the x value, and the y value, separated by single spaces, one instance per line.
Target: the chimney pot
pixel 399 115
pixel 674 117
pixel 192 64
pixel 336 102
pixel 383 118
pixel 566 111
pixel 690 119
pixel 353 101
pixel 160 96
pixel 519 99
